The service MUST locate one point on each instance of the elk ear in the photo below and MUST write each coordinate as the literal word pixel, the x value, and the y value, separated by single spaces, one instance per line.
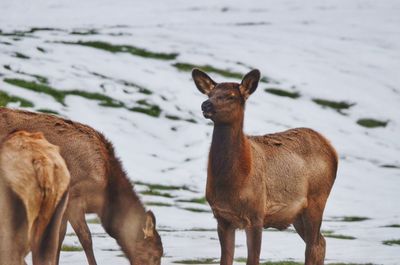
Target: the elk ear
pixel 203 82
pixel 250 83
pixel 150 225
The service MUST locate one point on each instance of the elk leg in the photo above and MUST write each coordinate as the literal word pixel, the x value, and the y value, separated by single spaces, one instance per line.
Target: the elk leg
pixel 315 242
pixel 299 226
pixel 63 230
pixel 254 237
pixel 78 223
pixel 226 235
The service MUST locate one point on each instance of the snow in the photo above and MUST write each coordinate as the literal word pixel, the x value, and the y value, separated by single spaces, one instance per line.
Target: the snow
pixel 338 50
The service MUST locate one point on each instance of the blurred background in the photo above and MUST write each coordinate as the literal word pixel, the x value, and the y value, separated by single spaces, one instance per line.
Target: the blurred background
pixel 123 67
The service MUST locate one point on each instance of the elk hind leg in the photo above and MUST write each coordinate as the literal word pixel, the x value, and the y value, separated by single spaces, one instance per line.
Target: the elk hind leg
pixel 76 217
pixel 315 242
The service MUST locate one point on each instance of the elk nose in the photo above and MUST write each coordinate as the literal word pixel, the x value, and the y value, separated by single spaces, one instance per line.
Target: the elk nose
pixel 207 106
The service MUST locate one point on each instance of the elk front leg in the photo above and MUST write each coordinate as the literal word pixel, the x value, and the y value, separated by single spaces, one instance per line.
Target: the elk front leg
pixel 226 235
pixel 76 217
pixel 254 237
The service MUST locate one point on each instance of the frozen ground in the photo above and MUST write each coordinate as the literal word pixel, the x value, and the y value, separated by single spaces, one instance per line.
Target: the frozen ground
pixel 345 50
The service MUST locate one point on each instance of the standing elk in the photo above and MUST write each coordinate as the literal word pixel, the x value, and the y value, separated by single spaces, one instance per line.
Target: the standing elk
pixel 34 182
pixel 98 185
pixel 255 182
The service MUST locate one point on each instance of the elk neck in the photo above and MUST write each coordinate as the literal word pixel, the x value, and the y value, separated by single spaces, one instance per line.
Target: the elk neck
pixel 123 213
pixel 230 154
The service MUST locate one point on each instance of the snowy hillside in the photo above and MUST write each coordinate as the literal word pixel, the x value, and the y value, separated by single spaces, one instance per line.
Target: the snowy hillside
pixel 123 67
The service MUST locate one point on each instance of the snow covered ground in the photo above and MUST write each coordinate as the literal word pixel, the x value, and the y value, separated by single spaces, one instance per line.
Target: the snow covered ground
pixel 345 50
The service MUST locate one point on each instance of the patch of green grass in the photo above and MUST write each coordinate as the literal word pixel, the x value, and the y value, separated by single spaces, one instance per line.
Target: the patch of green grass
pixel 126 49
pixel 390 166
pixel 176 118
pixel 161 187
pixel 56 94
pixel 162 204
pixel 84 32
pixel 201 200
pixel 40 78
pixel 6 98
pixel 153 111
pixel 21 55
pixel 24 33
pixel 391 242
pixel 106 101
pixel 70 248
pixel 156 193
pixel 372 123
pixel 196 210
pixel 48 111
pixel 283 93
pixel 393 226
pixel 197 261
pixel 41 49
pixel 354 218
pixel 337 105
pixel 329 233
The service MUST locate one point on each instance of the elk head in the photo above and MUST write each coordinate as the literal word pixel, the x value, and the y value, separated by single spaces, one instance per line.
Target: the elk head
pixel 225 103
pixel 149 249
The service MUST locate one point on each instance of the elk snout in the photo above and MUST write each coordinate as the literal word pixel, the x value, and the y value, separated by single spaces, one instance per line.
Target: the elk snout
pixel 208 109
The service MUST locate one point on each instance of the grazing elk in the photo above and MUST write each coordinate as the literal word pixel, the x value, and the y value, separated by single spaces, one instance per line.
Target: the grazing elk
pixel 263 181
pixel 34 182
pixel 98 185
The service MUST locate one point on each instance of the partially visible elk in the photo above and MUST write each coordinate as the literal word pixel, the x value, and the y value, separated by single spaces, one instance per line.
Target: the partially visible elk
pixel 34 182
pixel 98 185
pixel 255 182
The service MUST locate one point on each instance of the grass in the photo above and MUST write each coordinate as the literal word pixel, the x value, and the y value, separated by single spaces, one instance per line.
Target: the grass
pixel 39 78
pixel 201 200
pixel 162 187
pixel 59 96
pixel 21 56
pixel 48 111
pixel 70 248
pixel 331 234
pixel 391 242
pixel 176 118
pixel 337 105
pixel 125 49
pixel 195 210
pixel 197 261
pixel 283 93
pixel 354 218
pixel 6 98
pixel 41 49
pixel 156 193
pixel 162 204
pixel 105 101
pixel 393 226
pixel 23 33
pixel 371 123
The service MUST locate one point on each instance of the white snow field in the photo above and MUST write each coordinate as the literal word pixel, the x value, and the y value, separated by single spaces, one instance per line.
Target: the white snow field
pixel 345 51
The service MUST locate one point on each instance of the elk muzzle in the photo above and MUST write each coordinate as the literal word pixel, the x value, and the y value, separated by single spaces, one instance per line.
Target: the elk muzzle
pixel 208 109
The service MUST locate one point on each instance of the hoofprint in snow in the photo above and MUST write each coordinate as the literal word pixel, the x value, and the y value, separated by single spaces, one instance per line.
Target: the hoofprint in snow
pixel 337 51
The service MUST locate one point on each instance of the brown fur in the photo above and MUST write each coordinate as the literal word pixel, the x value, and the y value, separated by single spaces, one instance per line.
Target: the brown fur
pixel 32 173
pixel 263 181
pixel 98 185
